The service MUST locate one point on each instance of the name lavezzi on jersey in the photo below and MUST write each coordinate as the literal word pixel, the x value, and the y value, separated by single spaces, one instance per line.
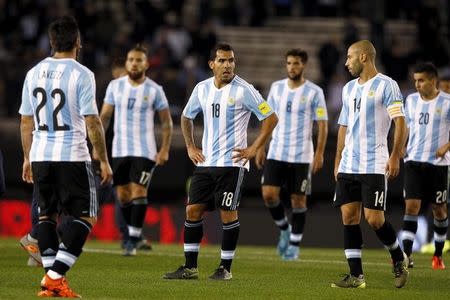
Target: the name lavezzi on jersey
pixel 296 110
pixel 134 111
pixel 367 111
pixel 226 112
pixel 429 126
pixel 58 93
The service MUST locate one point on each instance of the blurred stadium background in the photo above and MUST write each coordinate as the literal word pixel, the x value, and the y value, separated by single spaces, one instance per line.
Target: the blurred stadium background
pixel 179 35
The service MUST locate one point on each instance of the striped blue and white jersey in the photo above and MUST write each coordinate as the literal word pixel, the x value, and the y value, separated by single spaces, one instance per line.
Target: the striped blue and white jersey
pixel 296 110
pixel 134 111
pixel 367 111
pixel 226 112
pixel 58 93
pixel 429 125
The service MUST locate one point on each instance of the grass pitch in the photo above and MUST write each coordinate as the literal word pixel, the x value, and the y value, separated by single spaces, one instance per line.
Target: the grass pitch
pixel 258 273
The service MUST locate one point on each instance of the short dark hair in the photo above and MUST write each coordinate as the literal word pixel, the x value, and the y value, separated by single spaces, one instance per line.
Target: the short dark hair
pixel 63 34
pixel 139 48
pixel 221 46
pixel 299 53
pixel 426 67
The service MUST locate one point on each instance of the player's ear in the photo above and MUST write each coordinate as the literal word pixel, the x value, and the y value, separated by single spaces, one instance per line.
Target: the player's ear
pixel 211 64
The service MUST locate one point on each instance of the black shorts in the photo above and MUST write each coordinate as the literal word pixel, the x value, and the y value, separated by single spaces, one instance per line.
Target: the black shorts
pixel 217 187
pixel 426 182
pixel 370 189
pixel 133 169
pixel 294 175
pixel 65 187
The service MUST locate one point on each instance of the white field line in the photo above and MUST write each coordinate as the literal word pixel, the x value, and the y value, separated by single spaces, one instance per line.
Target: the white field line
pixel 252 255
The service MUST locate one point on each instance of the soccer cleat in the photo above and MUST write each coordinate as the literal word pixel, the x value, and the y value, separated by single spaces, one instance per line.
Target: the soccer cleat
pixel 56 288
pixel 410 262
pixel 283 242
pixel 291 253
pixel 221 274
pixel 182 273
pixel 33 263
pixel 350 281
pixel 129 249
pixel 437 263
pixel 32 248
pixel 144 245
pixel 401 272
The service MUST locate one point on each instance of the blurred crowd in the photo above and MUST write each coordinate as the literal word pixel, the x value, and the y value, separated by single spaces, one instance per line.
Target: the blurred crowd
pixel 179 35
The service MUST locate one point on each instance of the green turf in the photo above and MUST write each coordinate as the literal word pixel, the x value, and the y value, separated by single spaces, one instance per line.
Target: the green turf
pixel 258 273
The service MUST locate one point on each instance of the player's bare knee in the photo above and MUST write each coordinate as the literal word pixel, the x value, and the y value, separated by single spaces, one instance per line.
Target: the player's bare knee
pixel 193 213
pixel 298 201
pixel 440 211
pixel 271 197
pixel 228 216
pixel 412 207
pixel 90 220
pixel 351 219
pixel 51 218
pixel 375 221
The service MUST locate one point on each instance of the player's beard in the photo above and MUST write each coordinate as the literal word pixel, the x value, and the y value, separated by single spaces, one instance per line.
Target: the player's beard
pixel 136 75
pixel 295 77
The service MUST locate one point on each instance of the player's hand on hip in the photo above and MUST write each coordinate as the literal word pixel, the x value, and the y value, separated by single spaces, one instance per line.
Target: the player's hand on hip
pixel 195 154
pixel 106 172
pixel 162 157
pixel 392 167
pixel 27 173
pixel 243 155
pixel 442 151
pixel 260 158
pixel 317 163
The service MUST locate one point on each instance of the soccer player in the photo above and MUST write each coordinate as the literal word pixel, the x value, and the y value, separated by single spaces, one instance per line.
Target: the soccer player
pixel 427 159
pixel 134 99
pixel 298 102
pixel 58 105
pixel 363 163
pixel 226 101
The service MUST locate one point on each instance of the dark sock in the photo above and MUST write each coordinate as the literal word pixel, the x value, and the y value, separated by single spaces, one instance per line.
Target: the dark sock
pixel 126 211
pixel 138 210
pixel 409 233
pixel 353 246
pixel 229 242
pixel 278 215
pixel 440 235
pixel 71 245
pixel 48 242
pixel 193 233
pixel 298 223
pixel 386 234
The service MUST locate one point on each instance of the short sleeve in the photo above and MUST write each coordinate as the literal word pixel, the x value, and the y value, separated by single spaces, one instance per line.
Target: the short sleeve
pixel 26 108
pixel 254 102
pixel 319 107
pixel 271 97
pixel 109 95
pixel 393 100
pixel 193 106
pixel 160 100
pixel 86 95
pixel 343 117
